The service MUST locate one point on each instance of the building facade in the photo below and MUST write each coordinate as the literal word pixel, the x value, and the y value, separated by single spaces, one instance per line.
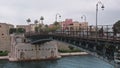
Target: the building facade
pixel 66 23
pixel 69 24
pixel 26 27
pixel 5 36
pixel 30 27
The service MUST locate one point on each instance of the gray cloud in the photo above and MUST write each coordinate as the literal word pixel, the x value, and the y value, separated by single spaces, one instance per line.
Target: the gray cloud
pixel 17 11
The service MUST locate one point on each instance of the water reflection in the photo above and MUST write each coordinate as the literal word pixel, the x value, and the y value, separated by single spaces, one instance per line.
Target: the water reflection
pixel 65 62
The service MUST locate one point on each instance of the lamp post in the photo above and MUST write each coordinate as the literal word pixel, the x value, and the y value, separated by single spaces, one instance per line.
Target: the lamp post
pixel 56 16
pixel 102 6
pixel 83 16
pixel 84 27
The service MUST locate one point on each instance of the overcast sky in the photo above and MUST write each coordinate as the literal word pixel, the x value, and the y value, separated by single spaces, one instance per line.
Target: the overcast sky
pixel 17 11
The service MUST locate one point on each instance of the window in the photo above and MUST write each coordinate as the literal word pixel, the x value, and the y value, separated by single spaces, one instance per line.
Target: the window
pixel 2 34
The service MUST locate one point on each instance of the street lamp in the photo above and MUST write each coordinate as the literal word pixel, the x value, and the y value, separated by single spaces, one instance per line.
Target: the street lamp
pixel 84 27
pixel 83 16
pixel 102 6
pixel 56 16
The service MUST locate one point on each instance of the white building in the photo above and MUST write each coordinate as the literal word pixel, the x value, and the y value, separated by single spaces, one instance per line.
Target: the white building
pixel 21 51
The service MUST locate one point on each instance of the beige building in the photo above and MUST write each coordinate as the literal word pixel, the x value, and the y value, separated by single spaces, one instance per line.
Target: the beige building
pixel 21 51
pixel 4 36
pixel 69 24
pixel 84 25
pixel 78 25
pixel 28 28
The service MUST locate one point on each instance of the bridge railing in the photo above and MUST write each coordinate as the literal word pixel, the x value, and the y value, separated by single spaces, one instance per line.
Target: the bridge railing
pixel 105 32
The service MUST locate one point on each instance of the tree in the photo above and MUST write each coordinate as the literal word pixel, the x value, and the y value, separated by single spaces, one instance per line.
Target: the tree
pixel 28 20
pixel 47 29
pixel 36 28
pixel 56 23
pixel 36 21
pixel 20 30
pixel 42 18
pixel 46 26
pixel 40 27
pixel 101 31
pixel 71 47
pixel 12 30
pixel 16 30
pixel 114 30
pixel 116 27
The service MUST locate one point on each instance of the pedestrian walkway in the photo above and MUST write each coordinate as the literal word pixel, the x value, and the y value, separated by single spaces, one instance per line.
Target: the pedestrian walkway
pixel 4 57
pixel 73 54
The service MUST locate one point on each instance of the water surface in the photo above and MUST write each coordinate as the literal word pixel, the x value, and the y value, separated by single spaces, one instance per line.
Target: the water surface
pixel 65 62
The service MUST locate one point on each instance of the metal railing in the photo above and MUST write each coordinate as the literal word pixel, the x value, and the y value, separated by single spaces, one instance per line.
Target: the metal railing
pixel 104 32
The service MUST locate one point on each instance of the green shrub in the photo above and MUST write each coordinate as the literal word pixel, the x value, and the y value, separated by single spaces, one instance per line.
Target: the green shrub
pixel 3 53
pixel 71 47
pixel 68 51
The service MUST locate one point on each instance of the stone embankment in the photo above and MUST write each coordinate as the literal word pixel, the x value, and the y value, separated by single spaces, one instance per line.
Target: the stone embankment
pixel 4 57
pixel 73 54
pixel 61 54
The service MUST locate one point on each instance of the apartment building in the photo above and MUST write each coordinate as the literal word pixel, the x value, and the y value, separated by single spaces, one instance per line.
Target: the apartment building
pixel 69 24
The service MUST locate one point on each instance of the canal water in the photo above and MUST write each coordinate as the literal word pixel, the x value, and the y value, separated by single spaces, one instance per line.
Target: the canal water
pixel 87 61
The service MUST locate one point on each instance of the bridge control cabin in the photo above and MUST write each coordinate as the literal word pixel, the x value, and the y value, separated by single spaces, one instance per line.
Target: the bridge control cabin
pixel 24 51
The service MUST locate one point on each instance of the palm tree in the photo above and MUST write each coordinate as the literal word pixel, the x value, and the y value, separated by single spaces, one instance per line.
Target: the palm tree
pixel 42 18
pixel 36 28
pixel 28 20
pixel 36 21
pixel 41 25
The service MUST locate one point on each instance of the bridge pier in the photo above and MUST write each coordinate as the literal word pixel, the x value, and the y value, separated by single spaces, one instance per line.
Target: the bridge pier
pixel 86 46
pixel 79 43
pixel 94 48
